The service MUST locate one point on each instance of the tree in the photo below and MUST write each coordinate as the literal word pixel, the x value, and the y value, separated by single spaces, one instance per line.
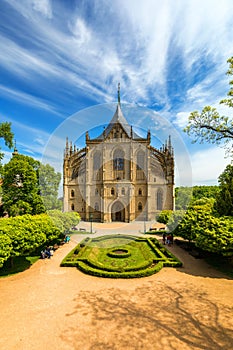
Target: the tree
pixel 183 196
pixel 7 135
pixel 22 235
pixel 164 216
pixel 215 235
pixel 64 221
pixel 5 248
pixel 209 126
pixel 49 182
pixel 224 199
pixel 20 186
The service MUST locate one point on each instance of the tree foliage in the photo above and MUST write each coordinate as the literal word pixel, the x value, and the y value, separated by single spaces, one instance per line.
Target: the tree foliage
pixel 186 196
pixel 224 199
pixel 22 235
pixel 5 248
pixel 49 182
pixel 7 135
pixel 20 186
pixel 200 225
pixel 29 187
pixel 64 221
pixel 209 126
pixel 164 216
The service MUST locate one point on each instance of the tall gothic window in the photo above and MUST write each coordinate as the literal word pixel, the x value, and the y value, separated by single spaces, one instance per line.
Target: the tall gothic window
pixel 72 193
pixel 159 199
pixel 96 206
pixel 96 161
pixel 140 160
pixel 72 206
pixel 118 160
pixel 139 206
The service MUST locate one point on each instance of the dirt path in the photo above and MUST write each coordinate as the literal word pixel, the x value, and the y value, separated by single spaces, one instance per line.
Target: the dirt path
pixel 61 308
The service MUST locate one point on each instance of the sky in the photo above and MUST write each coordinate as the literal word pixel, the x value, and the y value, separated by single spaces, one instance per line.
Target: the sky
pixel 61 62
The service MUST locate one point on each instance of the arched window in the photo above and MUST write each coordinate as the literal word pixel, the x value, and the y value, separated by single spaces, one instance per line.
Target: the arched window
pixel 159 199
pixel 96 206
pixel 140 192
pixel 72 206
pixel 97 161
pixel 140 160
pixel 123 191
pixel 72 193
pixel 96 191
pixel 139 206
pixel 118 160
pixel 112 191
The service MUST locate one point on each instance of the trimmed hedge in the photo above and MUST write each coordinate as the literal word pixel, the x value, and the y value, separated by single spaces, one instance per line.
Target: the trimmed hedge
pixel 143 256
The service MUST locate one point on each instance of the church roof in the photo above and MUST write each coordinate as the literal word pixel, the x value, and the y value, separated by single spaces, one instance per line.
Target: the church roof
pixel 118 118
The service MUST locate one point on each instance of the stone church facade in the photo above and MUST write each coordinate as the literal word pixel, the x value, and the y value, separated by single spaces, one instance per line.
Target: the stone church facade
pixel 118 176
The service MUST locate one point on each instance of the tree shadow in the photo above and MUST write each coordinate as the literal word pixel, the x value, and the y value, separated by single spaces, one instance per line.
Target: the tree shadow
pixel 195 266
pixel 20 264
pixel 154 316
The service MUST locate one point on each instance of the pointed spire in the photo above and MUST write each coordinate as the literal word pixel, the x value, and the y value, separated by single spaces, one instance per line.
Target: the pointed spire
pixel 169 144
pixel 67 147
pixel 15 150
pixel 119 93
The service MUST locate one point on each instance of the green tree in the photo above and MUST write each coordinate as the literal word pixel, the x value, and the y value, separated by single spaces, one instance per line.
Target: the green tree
pixel 20 187
pixel 204 192
pixel 7 135
pixel 5 248
pixel 164 216
pixel 224 199
pixel 215 235
pixel 49 182
pixel 64 221
pixel 209 126
pixel 183 196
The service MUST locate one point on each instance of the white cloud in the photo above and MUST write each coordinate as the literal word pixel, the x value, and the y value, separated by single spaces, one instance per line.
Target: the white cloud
pixel 43 6
pixel 25 98
pixel 208 164
pixel 181 119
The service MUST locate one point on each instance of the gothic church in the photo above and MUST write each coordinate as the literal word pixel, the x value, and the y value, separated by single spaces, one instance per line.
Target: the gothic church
pixel 118 176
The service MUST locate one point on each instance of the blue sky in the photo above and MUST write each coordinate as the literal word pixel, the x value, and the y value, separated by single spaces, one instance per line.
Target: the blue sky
pixel 60 58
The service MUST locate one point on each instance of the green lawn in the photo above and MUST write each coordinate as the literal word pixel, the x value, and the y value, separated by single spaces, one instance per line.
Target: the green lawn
pixel 120 256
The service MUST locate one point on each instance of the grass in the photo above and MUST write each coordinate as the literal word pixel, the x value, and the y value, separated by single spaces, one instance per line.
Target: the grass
pixel 21 263
pixel 120 256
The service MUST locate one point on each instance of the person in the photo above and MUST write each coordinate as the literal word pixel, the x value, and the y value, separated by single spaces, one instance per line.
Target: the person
pixel 164 238
pixel 47 252
pixel 42 255
pixel 67 239
pixel 169 240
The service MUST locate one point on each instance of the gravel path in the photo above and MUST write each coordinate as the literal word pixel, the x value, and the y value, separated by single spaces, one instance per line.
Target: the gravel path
pixel 48 306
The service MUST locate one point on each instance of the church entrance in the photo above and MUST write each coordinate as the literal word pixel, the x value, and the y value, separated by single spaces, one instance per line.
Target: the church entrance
pixel 118 212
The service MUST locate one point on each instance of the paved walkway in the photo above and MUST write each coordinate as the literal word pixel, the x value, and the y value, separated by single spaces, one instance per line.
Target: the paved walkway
pixel 61 308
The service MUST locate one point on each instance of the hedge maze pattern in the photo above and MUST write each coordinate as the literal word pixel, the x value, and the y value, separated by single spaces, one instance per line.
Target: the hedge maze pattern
pixel 120 256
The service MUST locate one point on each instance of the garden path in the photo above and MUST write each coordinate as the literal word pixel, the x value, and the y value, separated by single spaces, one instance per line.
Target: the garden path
pixel 49 306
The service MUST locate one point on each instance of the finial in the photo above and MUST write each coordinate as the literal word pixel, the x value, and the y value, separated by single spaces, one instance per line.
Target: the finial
pixel 118 93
